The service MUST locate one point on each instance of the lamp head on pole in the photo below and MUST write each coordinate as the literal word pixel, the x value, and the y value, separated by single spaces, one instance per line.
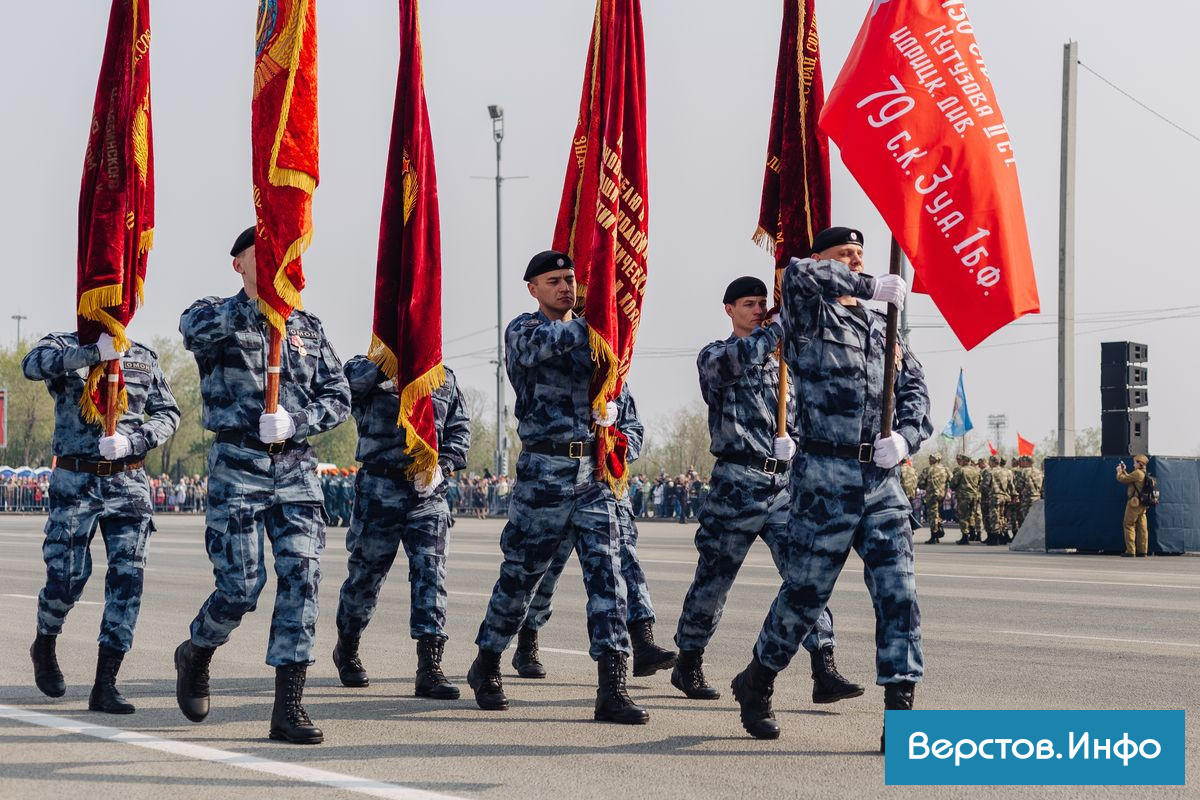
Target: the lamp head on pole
pixel 497 114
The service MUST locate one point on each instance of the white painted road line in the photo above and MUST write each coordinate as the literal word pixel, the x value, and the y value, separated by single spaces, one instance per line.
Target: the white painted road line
pixel 34 597
pixel 280 769
pixel 1097 638
pixel 1052 580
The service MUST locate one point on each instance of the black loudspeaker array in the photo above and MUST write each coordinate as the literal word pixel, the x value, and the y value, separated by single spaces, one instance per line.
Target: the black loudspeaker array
pixel 1124 423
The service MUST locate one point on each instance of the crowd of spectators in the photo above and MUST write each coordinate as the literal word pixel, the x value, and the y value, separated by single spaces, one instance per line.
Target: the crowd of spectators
pixel 23 494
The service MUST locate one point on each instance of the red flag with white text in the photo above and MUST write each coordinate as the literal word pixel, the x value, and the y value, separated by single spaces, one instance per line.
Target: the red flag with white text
pixel 917 121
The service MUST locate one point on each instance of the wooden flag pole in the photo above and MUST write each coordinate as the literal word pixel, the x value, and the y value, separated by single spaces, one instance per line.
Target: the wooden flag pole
pixel 889 354
pixel 273 359
pixel 111 387
pixel 781 404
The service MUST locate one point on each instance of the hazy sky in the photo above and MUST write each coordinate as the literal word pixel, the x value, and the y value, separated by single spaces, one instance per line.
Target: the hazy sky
pixel 710 74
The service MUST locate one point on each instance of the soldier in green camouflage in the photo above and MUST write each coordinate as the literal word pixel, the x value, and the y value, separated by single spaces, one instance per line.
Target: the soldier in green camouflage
pixel 1029 489
pixel 908 480
pixel 933 480
pixel 965 485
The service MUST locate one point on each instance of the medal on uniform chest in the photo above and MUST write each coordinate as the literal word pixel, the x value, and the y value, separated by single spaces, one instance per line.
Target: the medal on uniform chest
pixel 298 345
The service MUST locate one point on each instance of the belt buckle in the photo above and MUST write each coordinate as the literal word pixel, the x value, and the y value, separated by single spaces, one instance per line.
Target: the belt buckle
pixel 575 450
pixel 104 469
pixel 866 453
pixel 770 465
pixel 275 448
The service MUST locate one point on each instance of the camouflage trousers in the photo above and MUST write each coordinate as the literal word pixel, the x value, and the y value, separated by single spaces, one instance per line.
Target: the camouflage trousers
pixel 933 515
pixel 250 493
pixel 542 514
pixel 995 517
pixel 387 514
pixel 640 607
pixel 837 505
pixel 120 507
pixel 1023 509
pixel 745 504
pixel 968 513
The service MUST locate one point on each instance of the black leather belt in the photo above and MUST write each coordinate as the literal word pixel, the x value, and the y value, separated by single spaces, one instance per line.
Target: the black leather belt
pixel 774 466
pixel 102 469
pixel 384 471
pixel 566 449
pixel 863 453
pixel 254 443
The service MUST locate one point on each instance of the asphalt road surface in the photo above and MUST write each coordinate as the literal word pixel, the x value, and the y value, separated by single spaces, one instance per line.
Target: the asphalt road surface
pixel 1001 631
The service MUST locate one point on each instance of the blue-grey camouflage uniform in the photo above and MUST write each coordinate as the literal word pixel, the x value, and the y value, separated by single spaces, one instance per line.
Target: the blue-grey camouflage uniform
pixel 836 360
pixel 249 490
pixel 739 380
pixel 118 504
pixel 556 497
pixel 388 512
pixel 640 606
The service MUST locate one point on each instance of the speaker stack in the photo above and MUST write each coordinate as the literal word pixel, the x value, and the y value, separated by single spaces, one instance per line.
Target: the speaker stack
pixel 1124 424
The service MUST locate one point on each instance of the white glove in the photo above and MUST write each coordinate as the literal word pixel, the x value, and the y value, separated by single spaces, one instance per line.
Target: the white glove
pixel 775 319
pixel 115 447
pixel 609 417
pixel 890 289
pixel 890 451
pixel 425 485
pixel 107 348
pixel 277 427
pixel 784 448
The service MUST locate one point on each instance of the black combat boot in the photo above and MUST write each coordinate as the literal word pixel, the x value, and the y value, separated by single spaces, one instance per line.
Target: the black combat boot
pixel 191 679
pixel 46 674
pixel 688 676
pixel 752 688
pixel 484 678
pixel 431 682
pixel 289 720
pixel 966 538
pixel 612 700
pixel 648 658
pixel 349 665
pixel 828 684
pixel 525 660
pixel 105 696
pixel 897 697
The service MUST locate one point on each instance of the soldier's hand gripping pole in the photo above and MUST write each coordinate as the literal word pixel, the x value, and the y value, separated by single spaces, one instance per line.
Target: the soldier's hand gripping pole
pixel 111 391
pixel 889 350
pixel 272 399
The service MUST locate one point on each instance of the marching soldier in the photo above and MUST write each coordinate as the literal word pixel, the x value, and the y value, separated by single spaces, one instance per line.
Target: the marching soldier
pixel 262 476
pixel 933 480
pixel 391 510
pixel 749 499
pixel 557 494
pixel 1020 473
pixel 1002 486
pixel 1031 488
pixel 909 480
pixel 965 484
pixel 987 499
pixel 844 487
pixel 648 657
pixel 99 481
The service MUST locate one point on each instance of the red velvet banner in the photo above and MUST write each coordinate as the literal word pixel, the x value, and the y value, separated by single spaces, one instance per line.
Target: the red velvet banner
pixel 406 339
pixel 795 199
pixel 283 130
pixel 116 198
pixel 603 222
pixel 919 126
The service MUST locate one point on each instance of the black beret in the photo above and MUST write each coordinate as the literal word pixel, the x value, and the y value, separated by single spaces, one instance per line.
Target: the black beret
pixel 832 237
pixel 547 261
pixel 747 286
pixel 244 240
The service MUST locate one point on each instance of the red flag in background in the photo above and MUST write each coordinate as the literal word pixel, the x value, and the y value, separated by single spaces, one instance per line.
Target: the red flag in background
pixel 919 126
pixel 992 448
pixel 406 340
pixel 1024 446
pixel 116 198
pixel 602 221
pixel 795 199
pixel 283 129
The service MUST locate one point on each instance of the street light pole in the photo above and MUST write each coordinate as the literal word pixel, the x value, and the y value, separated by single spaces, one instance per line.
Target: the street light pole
pixel 501 455
pixel 18 318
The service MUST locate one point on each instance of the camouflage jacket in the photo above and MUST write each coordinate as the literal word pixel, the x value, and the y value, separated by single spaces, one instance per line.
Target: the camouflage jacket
pixel 908 480
pixel 934 479
pixel 965 481
pixel 60 361
pixel 375 404
pixel 630 424
pixel 228 336
pixel 837 360
pixel 550 367
pixel 1002 484
pixel 739 380
pixel 1032 487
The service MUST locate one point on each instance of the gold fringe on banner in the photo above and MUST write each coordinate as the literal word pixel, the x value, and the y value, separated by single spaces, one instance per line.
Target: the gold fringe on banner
pixel 87 409
pixel 424 455
pixel 383 357
pixel 92 305
pixel 606 359
pixel 146 242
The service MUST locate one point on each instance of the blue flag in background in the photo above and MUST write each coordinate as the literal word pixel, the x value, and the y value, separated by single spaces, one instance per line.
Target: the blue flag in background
pixel 960 420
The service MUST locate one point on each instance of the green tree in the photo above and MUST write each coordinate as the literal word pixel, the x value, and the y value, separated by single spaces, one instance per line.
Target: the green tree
pixel 677 444
pixel 30 411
